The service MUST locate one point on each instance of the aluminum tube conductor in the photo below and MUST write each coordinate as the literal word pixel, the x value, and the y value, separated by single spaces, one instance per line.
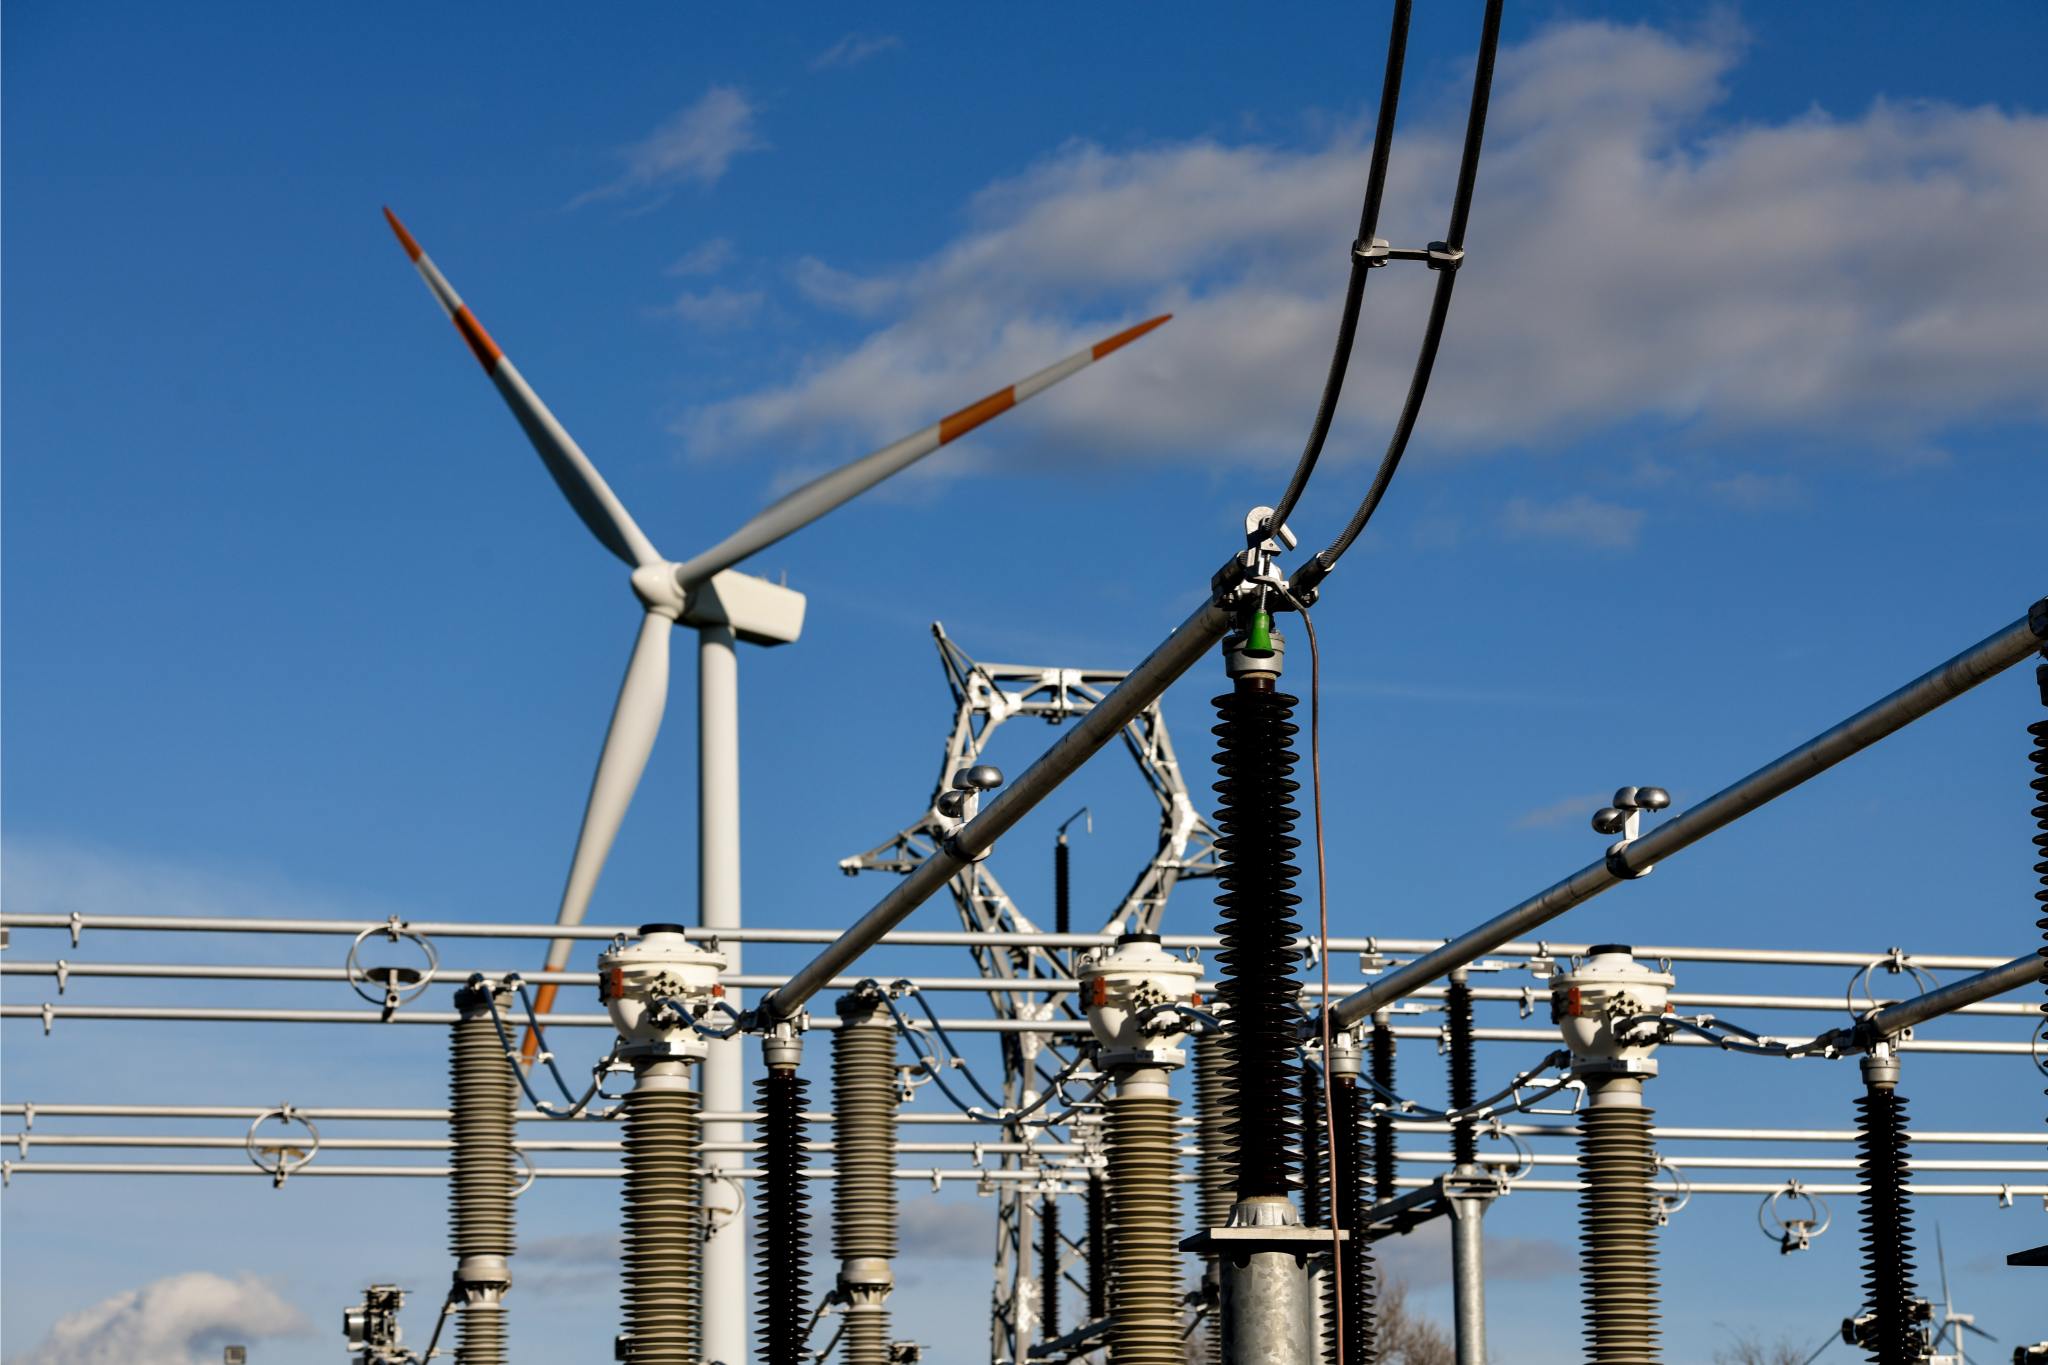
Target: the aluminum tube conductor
pixel 1932 689
pixel 1139 689
pixel 1893 1019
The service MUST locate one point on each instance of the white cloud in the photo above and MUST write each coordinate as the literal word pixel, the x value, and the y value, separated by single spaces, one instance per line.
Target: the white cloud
pixel 854 49
pixel 1633 255
pixel 718 307
pixel 706 258
pixel 1560 811
pixel 1578 519
pixel 180 1320
pixel 695 144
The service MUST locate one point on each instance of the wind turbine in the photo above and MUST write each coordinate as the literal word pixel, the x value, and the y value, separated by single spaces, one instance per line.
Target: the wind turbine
pixel 1950 1318
pixel 725 607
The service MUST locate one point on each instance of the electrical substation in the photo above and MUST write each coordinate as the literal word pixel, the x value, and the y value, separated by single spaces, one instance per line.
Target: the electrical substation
pixel 1198 1106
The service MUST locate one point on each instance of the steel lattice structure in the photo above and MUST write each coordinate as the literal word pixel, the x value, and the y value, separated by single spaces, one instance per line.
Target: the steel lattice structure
pixel 985 695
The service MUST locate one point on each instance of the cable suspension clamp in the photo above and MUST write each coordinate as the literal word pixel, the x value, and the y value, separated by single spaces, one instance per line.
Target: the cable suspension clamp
pixel 959 804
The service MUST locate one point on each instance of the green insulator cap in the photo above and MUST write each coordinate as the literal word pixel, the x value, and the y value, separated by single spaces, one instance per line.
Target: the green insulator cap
pixel 1259 640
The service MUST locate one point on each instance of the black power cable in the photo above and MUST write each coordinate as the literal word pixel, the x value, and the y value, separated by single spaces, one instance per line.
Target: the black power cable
pixel 1361 265
pixel 1444 257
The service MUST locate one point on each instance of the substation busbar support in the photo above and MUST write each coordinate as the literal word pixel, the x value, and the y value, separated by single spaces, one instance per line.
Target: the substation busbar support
pixel 1134 993
pixel 658 987
pixel 1607 1009
pixel 482 1184
pixel 782 1243
pixel 864 1211
pixel 1265 1303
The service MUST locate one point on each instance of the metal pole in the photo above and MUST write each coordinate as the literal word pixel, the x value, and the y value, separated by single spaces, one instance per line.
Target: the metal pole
pixel 1468 1273
pixel 935 938
pixel 718 909
pixel 1956 995
pixel 1143 685
pixel 1930 690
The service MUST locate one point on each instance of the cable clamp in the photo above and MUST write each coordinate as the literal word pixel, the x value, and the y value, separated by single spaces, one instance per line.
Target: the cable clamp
pixel 1374 251
pixel 2037 621
pixel 1617 863
pixel 1444 256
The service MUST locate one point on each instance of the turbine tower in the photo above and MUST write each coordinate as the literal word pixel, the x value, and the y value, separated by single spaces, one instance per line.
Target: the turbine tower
pixel 725 607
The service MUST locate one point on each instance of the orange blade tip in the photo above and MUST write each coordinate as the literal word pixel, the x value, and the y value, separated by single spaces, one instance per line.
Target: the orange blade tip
pixel 1130 334
pixel 412 248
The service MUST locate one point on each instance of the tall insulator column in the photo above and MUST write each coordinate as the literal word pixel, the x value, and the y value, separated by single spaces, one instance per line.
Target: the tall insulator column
pixel 1463 1066
pixel 1356 1280
pixel 1315 1193
pixel 1890 1329
pixel 782 1235
pixel 864 1099
pixel 1098 1247
pixel 1132 993
pixel 655 987
pixel 1050 1255
pixel 1215 1170
pixel 1604 1009
pixel 1266 1306
pixel 1384 1152
pixel 481 1101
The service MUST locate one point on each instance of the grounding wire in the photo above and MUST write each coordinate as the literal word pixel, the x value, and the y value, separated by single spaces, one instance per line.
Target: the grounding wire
pixel 1446 262
pixel 1361 266
pixel 1325 1092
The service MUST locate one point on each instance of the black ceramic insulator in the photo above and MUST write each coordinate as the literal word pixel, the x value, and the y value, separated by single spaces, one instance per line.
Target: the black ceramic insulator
pixel 1313 1145
pixel 1355 1280
pixel 782 1300
pixel 1464 1079
pixel 1049 1248
pixel 1259 961
pixel 1062 912
pixel 1887 1227
pixel 1098 1249
pixel 1383 1122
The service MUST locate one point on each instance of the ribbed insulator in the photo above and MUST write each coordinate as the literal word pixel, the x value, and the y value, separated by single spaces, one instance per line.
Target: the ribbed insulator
pixel 1145 1311
pixel 864 1128
pixel 782 1236
pixel 1355 1281
pixel 1383 1137
pixel 480 1335
pixel 1217 1165
pixel 867 1336
pixel 1098 1248
pixel 481 1090
pixel 1887 1226
pixel 1314 1146
pixel 1464 1078
pixel 1049 1249
pixel 1062 899
pixel 482 1177
pixel 1618 1235
pixel 1255 817
pixel 664 1227
pixel 2038 756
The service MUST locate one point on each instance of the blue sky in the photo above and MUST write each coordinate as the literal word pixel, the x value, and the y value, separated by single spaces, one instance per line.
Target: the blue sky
pixel 1737 427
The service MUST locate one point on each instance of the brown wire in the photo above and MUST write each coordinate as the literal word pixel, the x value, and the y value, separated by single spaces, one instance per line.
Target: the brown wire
pixel 1315 769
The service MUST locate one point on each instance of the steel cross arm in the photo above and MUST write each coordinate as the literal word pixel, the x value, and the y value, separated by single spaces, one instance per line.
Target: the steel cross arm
pixel 1203 628
pixel 1942 684
pixel 1895 1019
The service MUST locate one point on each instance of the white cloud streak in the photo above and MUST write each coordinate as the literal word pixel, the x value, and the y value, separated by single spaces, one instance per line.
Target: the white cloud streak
pixel 695 144
pixel 1630 259
pixel 1576 520
pixel 180 1320
pixel 854 49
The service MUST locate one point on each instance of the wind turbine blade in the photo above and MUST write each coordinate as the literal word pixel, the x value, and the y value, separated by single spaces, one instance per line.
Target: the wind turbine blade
pixel 821 495
pixel 636 720
pixel 571 469
pixel 1941 1259
pixel 1973 1327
